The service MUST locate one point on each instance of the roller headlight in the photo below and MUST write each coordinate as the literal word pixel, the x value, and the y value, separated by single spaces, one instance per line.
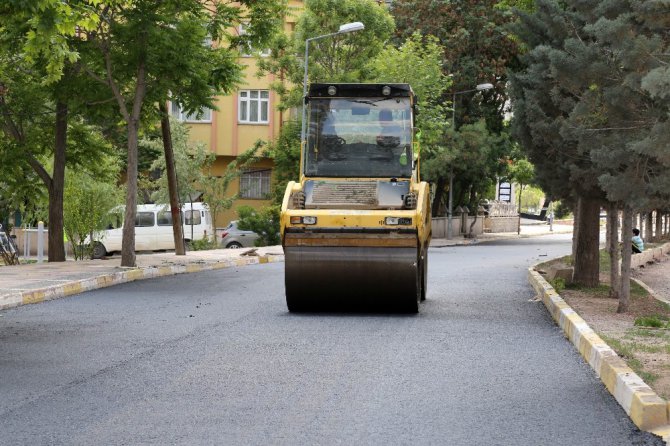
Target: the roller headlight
pixel 398 221
pixel 297 220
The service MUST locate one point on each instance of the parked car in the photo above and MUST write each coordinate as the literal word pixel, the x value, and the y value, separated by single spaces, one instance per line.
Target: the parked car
pixel 233 238
pixel 153 228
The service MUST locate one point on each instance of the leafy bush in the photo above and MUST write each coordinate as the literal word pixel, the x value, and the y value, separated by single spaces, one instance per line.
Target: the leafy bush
pixel 203 244
pixel 264 222
pixel 558 284
pixel 87 201
pixel 561 210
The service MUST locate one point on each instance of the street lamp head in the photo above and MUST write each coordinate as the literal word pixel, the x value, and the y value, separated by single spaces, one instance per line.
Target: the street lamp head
pixel 351 27
pixel 482 87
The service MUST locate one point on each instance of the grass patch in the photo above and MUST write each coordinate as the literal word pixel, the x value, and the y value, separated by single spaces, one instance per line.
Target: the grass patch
pixel 605 261
pixel 647 377
pixel 654 321
pixel 603 288
pixel 648 348
pixel 641 332
pixel 637 291
pixel 627 351
pixel 622 349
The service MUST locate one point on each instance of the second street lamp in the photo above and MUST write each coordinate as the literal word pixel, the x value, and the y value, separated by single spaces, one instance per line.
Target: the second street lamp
pixel 344 29
pixel 480 87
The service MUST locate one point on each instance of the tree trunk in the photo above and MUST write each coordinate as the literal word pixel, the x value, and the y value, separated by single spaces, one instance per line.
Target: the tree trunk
pixel 128 241
pixel 587 260
pixel 518 225
pixel 613 249
pixel 626 254
pixel 575 230
pixel 439 193
pixel 175 208
pixel 133 122
pixel 659 226
pixel 545 208
pixel 56 243
pixel 649 226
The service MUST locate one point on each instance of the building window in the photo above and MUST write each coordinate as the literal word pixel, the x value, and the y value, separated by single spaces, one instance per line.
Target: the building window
pixel 255 184
pixel 204 115
pixel 254 106
pixel 248 51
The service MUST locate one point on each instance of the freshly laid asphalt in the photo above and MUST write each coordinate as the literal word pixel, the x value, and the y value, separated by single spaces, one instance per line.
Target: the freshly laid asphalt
pixel 33 278
pixel 50 277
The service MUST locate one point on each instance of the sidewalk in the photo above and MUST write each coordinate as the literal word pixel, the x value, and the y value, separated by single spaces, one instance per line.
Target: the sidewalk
pixel 529 228
pixel 33 283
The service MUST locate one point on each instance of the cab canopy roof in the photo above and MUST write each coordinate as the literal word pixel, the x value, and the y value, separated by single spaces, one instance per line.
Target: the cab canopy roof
pixel 360 90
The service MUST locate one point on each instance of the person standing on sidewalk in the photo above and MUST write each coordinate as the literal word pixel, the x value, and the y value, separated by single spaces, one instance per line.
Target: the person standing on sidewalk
pixel 638 244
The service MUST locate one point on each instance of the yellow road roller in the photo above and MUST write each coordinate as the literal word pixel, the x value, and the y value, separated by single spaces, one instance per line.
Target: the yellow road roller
pixel 356 227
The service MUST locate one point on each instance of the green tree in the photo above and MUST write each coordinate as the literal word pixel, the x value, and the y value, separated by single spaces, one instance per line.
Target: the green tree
pixel 88 201
pixel 591 107
pixel 418 62
pixel 531 199
pixel 542 105
pixel 342 58
pixel 193 165
pixel 46 101
pixel 522 172
pixel 49 26
pixel 192 160
pixel 477 48
pixel 623 109
pixel 285 153
pixel 473 155
pixel 143 48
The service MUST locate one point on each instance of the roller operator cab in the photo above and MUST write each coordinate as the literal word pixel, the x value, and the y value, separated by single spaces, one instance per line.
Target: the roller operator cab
pixel 356 227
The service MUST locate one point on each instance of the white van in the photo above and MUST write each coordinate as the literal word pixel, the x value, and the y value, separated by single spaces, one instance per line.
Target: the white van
pixel 153 228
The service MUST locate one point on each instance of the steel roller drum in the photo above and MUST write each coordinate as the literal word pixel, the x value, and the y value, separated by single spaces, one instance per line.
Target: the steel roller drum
pixel 375 278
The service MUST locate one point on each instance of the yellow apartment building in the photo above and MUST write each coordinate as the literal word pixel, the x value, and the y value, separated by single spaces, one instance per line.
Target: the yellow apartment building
pixel 243 118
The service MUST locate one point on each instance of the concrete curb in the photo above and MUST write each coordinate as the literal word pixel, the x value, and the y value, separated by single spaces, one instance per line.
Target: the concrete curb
pixel 647 410
pixel 129 275
pixel 650 291
pixel 650 255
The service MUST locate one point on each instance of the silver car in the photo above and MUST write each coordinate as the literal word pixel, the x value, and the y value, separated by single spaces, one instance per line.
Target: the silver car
pixel 232 237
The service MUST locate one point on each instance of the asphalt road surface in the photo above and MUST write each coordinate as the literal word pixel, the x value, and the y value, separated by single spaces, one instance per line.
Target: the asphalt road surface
pixel 215 358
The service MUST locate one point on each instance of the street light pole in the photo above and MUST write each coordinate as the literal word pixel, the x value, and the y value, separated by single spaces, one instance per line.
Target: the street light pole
pixel 344 29
pixel 480 87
